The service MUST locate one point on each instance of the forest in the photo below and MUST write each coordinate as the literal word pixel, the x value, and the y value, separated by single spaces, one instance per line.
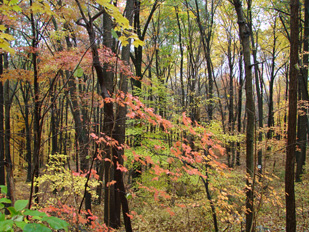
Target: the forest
pixel 154 115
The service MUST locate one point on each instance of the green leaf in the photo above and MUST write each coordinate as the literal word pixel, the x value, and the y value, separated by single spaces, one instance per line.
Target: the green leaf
pixel 1 206
pixel 21 224
pixel 6 225
pixel 129 196
pixel 114 34
pixel 56 223
pixel 18 218
pixel 34 213
pixel 2 217
pixel 4 189
pixel 78 72
pixel 13 211
pixel 34 227
pixel 5 200
pixel 20 204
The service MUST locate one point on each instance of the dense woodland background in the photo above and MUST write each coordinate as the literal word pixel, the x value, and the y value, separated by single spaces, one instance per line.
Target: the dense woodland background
pixel 175 115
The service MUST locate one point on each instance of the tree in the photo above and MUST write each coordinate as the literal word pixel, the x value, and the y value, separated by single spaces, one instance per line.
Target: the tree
pixel 2 170
pixel 291 143
pixel 244 32
pixel 302 122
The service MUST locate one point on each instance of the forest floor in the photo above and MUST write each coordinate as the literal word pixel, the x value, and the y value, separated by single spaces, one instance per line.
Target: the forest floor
pixel 188 209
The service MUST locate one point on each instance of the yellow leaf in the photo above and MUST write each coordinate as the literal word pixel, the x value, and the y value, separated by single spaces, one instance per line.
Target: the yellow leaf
pixel 4 45
pixel 5 36
pixel 138 42
pixel 123 40
pixel 114 12
pixel 103 2
pixel 2 28
pixel 36 7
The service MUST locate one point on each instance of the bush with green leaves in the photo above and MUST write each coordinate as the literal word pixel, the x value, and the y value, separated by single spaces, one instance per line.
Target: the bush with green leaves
pixel 20 218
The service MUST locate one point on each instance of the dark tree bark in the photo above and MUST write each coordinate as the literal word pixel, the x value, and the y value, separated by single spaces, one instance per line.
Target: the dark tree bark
pixel 244 32
pixel 239 108
pixel 2 169
pixel 7 136
pixel 106 82
pixel 302 126
pixel 36 112
pixel 8 97
pixel 119 132
pixel 290 150
pixel 28 133
pixel 54 121
pixel 231 58
pixel 111 199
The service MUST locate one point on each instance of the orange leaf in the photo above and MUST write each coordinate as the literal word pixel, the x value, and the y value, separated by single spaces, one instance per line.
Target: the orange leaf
pixel 110 183
pixel 168 209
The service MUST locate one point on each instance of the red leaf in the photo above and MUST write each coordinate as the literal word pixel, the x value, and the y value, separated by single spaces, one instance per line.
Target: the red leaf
pixel 168 209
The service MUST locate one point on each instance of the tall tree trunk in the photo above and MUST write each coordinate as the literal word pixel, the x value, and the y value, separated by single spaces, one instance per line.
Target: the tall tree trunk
pixel 120 131
pixel 111 218
pixel 54 121
pixel 230 148
pixel 259 92
pixel 36 111
pixel 250 110
pixel 28 133
pixel 303 95
pixel 181 62
pixel 7 137
pixel 239 106
pixel 290 150
pixel 271 120
pixel 2 157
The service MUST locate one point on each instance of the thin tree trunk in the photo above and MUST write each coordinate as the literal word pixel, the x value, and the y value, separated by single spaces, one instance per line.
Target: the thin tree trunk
pixel 239 106
pixel 250 110
pixel 36 114
pixel 290 151
pixel 2 169
pixel 181 62
pixel 259 91
pixel 9 162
